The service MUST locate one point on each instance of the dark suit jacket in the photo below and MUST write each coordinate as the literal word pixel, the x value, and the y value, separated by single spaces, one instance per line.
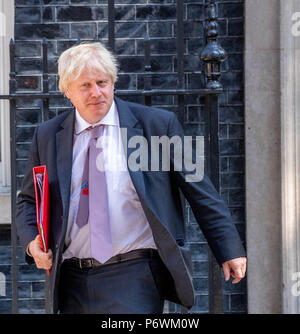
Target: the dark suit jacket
pixel 158 192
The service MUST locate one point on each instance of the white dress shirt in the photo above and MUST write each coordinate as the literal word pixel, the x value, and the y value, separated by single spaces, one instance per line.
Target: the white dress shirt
pixel 129 227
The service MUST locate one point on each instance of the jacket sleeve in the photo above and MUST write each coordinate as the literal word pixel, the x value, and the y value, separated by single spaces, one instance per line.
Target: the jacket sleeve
pixel 210 211
pixel 26 223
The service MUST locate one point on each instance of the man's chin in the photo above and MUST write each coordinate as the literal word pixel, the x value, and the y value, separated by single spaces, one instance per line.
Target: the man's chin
pixel 97 108
pixel 97 114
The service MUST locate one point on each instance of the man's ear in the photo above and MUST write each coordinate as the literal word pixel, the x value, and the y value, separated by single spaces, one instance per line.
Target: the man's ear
pixel 67 93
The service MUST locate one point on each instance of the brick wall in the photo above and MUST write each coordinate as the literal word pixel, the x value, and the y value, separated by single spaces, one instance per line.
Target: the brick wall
pixel 31 280
pixel 62 22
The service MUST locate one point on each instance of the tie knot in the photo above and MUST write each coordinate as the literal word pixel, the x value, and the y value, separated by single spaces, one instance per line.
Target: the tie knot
pixel 96 131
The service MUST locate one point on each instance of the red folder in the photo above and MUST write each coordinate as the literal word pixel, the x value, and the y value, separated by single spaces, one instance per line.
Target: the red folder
pixel 41 186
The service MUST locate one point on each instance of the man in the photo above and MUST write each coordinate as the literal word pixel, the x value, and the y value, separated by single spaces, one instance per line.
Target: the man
pixel 117 234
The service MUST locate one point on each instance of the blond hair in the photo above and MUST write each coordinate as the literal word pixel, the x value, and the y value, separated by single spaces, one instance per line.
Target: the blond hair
pixel 93 56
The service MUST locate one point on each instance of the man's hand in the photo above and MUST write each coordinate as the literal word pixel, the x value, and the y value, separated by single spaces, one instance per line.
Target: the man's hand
pixel 236 267
pixel 42 260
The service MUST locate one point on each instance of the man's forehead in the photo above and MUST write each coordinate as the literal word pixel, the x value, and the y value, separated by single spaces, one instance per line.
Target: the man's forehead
pixel 93 75
pixel 90 74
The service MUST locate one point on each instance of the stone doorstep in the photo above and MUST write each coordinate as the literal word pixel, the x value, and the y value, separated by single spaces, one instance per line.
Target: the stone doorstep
pixel 5 211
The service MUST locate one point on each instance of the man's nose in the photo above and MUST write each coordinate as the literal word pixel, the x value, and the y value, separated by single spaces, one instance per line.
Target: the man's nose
pixel 96 90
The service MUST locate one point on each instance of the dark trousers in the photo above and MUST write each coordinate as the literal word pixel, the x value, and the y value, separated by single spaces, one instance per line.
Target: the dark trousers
pixel 129 287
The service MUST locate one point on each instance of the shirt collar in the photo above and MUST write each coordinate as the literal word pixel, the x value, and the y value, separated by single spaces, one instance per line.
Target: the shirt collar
pixel 111 118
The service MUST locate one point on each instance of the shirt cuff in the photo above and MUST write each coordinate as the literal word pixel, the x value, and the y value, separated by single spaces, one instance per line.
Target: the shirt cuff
pixel 27 251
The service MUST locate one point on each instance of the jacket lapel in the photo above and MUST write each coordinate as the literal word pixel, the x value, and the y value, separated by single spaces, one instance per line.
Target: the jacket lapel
pixel 163 239
pixel 64 149
pixel 129 122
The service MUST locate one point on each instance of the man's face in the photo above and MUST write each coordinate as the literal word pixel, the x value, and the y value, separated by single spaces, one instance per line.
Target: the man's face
pixel 92 95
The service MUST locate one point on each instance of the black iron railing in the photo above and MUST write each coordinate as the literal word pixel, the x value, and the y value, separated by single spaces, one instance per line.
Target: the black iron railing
pixel 212 55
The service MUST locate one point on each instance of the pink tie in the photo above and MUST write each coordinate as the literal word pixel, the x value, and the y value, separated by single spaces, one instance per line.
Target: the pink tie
pixel 93 203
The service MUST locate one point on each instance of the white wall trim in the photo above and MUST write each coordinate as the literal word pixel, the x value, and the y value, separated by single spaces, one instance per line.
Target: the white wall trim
pixel 262 156
pixel 6 33
pixel 290 156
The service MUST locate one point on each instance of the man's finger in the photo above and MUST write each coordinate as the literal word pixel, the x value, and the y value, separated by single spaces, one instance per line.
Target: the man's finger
pixel 49 254
pixel 236 280
pixel 236 268
pixel 226 270
pixel 44 260
pixel 244 269
pixel 39 239
pixel 238 273
pixel 47 257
